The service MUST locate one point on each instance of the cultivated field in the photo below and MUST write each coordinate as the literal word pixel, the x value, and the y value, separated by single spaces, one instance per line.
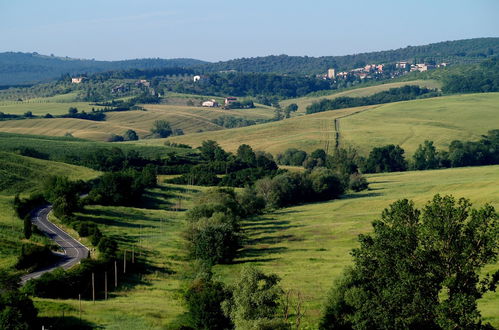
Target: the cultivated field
pixel 189 119
pixel 307 246
pixel 443 119
pixel 304 102
pixel 42 106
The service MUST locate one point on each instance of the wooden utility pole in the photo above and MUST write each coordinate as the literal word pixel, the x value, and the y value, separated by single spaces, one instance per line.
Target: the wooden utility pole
pixel 93 287
pixel 105 285
pixel 124 262
pixel 115 274
pixel 79 299
pixel 133 255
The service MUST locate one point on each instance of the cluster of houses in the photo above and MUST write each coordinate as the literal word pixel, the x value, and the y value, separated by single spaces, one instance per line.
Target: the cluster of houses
pixel 370 70
pixel 214 104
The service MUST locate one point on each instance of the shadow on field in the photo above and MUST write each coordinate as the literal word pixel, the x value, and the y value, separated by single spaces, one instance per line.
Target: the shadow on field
pixel 66 322
pixel 258 254
pixel 108 217
pixel 356 196
pixel 267 226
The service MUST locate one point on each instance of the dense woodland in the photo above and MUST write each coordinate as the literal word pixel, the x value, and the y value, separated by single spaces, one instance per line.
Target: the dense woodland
pixel 455 52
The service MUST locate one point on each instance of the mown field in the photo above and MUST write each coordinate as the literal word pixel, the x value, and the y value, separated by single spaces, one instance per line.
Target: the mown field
pixel 56 105
pixel 307 246
pixel 442 119
pixel 60 148
pixel 19 174
pixel 304 102
pixel 189 119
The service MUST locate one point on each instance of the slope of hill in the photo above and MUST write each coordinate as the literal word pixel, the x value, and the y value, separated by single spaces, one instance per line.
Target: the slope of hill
pixel 19 174
pixel 23 174
pixel 442 119
pixel 459 51
pixel 189 119
pixel 27 68
pixel 292 241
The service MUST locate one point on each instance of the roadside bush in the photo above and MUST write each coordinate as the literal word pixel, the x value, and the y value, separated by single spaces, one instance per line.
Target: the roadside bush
pixel 34 256
pixel 16 309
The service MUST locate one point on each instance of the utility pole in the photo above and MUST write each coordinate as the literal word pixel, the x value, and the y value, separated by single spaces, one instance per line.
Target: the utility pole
pixel 124 262
pixel 115 274
pixel 79 299
pixel 133 254
pixel 105 285
pixel 93 287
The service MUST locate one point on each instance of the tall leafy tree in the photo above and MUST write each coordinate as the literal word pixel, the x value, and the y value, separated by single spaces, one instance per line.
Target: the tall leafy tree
pixel 419 269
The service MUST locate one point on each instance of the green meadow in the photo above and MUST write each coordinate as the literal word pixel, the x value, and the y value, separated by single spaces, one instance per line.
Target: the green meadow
pixel 307 246
pixel 408 124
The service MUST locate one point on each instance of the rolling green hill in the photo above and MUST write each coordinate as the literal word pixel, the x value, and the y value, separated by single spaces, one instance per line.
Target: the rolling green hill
pixel 19 174
pixel 408 124
pixel 189 119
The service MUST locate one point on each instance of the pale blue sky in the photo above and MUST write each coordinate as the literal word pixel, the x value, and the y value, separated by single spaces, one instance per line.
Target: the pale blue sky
pixel 224 29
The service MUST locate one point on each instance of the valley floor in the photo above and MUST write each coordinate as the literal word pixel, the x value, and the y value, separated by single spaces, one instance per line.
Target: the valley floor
pixel 307 246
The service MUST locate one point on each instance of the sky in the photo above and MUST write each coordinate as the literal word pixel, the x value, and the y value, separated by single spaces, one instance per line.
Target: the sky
pixel 225 29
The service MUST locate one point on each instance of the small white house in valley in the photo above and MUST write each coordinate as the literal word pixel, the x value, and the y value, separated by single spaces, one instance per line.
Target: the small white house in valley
pixel 210 104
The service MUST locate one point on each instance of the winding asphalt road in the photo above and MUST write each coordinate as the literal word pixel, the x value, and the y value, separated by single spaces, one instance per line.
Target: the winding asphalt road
pixel 74 251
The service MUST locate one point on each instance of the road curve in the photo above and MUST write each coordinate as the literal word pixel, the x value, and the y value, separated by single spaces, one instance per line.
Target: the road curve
pixel 74 251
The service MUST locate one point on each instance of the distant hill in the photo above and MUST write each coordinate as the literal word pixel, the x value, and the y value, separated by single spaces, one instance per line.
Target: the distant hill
pixel 29 68
pixel 455 52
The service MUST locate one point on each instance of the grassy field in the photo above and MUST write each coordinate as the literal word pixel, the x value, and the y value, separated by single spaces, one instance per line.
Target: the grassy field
pixel 40 107
pixel 189 119
pixel 19 174
pixel 307 246
pixel 59 148
pixel 443 119
pixel 304 102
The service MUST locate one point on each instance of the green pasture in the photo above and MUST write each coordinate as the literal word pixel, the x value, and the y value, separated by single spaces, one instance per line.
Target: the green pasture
pixel 59 148
pixel 307 246
pixel 410 123
pixel 443 119
pixel 40 107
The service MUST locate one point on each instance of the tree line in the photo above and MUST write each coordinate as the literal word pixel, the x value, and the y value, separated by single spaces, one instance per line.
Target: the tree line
pixel 408 92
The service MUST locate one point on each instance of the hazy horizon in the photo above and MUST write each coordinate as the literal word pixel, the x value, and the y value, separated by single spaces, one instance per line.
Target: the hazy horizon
pixel 220 30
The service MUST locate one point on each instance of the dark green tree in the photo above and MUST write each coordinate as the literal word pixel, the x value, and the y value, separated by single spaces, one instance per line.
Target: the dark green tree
pixel 131 135
pixel 255 301
pixel 204 298
pixel 425 157
pixel 161 128
pixel 211 150
pixel 27 229
pixel 389 158
pixel 418 270
pixel 246 154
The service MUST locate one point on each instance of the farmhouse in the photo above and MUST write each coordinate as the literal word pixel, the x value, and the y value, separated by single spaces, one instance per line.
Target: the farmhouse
pixel 143 82
pixel 77 80
pixel 229 100
pixel 210 104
